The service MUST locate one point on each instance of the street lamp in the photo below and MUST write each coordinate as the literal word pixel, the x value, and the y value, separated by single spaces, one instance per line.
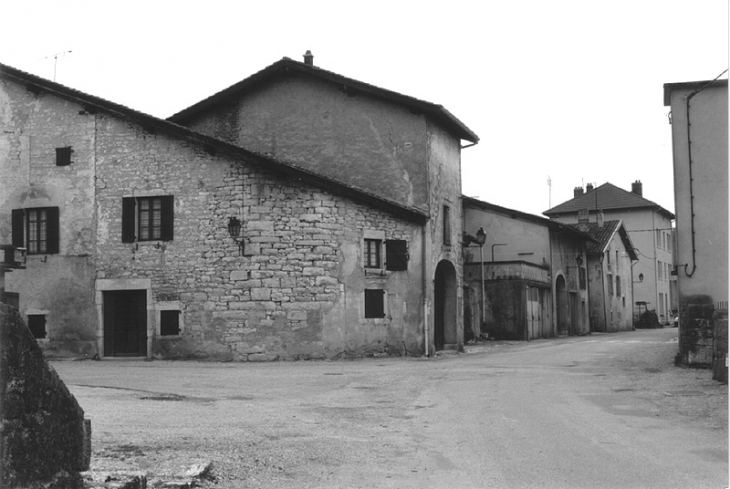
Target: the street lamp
pixel 481 239
pixel 234 229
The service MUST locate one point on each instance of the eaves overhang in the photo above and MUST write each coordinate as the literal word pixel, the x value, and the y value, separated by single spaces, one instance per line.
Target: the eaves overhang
pixel 92 104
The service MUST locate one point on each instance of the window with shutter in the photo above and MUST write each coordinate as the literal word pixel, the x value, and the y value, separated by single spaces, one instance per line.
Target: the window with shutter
pixel 147 218
pixel 371 258
pixel 396 255
pixel 36 229
pixel 374 303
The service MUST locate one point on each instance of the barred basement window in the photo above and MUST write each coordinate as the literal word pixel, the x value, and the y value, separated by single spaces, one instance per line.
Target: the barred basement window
pixel 37 325
pixel 396 255
pixel 374 303
pixel 169 323
pixel 63 156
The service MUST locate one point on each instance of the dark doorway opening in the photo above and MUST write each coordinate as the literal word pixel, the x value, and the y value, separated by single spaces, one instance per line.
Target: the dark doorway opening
pixel 125 323
pixel 445 334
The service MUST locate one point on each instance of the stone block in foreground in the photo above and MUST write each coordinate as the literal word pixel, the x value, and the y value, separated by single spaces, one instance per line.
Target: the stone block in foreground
pixel 44 439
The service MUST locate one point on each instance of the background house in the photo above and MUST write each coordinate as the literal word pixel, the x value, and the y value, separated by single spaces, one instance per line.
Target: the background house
pixel 700 155
pixel 650 228
pixel 384 143
pixel 534 275
pixel 127 219
pixel 610 260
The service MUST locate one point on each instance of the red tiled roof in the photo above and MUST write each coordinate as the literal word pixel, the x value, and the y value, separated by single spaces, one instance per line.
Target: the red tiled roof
pixel 605 197
pixel 437 112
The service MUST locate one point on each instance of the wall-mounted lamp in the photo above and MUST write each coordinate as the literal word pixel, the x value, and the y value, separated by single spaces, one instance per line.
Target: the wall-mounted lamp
pixel 234 230
pixel 641 278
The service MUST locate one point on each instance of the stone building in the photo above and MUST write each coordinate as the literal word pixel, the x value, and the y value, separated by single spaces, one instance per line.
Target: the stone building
pixel 534 273
pixel 700 159
pixel 130 224
pixel 396 147
pixel 610 260
pixel 650 228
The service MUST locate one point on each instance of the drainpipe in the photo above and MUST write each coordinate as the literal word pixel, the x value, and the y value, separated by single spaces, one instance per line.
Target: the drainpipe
pixel 603 287
pixel 691 187
pixel 425 289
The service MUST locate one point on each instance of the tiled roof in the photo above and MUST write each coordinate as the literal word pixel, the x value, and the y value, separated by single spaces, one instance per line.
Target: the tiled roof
pixel 93 104
pixel 605 197
pixel 515 214
pixel 437 112
pixel 603 235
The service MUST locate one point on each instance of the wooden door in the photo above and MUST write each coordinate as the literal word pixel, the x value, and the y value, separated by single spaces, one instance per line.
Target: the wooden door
pixel 125 323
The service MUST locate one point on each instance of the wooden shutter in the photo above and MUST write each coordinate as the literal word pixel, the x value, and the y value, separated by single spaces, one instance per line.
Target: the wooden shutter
pixel 374 303
pixel 129 209
pixel 52 230
pixel 18 228
pixel 168 217
pixel 396 255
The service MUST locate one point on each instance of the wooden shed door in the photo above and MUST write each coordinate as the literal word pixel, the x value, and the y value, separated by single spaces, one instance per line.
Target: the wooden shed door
pixel 125 323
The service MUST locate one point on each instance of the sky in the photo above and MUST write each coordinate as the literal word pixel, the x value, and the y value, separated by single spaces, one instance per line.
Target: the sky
pixel 561 93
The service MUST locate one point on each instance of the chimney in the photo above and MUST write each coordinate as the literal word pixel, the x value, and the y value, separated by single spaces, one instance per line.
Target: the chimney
pixel 577 192
pixel 309 58
pixel 636 188
pixel 589 187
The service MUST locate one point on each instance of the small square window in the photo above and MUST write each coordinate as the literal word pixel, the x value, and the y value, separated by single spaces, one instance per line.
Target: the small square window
pixel 169 323
pixel 37 325
pixel 63 156
pixel 374 303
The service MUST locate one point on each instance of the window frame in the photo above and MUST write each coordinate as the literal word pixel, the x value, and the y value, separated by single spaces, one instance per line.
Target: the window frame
pixel 372 246
pixel 21 230
pixel 131 218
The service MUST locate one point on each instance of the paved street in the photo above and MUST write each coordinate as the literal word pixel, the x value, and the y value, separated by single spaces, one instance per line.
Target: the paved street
pixel 605 410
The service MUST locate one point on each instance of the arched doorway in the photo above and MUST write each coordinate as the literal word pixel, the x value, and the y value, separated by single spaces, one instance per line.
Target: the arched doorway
pixel 561 298
pixel 444 321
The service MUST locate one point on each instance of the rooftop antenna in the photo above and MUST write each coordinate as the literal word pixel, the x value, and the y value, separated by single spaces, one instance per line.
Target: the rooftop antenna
pixel 55 61
pixel 550 193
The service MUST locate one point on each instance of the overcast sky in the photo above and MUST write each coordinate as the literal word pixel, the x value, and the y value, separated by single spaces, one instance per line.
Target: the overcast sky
pixel 566 89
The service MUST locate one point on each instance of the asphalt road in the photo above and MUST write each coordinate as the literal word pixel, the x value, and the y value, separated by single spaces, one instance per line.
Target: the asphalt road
pixel 600 411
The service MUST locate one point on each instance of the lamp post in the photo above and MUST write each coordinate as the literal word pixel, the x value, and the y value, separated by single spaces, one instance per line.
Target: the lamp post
pixel 481 239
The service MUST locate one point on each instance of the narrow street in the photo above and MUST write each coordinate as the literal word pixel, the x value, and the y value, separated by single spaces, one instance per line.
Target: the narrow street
pixel 604 411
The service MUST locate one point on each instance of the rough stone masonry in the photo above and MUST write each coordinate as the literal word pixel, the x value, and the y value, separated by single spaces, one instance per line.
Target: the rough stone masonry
pixel 44 439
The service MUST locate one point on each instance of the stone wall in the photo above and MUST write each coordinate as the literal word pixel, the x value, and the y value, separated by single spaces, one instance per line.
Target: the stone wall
pixel 45 437
pixel 297 289
pixel 696 330
pixel 719 358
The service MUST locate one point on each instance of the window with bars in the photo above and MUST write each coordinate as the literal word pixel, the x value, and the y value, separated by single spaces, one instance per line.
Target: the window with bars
pixel 36 229
pixel 147 218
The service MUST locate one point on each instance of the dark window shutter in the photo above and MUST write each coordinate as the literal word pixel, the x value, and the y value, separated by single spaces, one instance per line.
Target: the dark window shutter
pixel 168 217
pixel 18 228
pixel 374 303
pixel 129 210
pixel 52 230
pixel 63 156
pixel 396 255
